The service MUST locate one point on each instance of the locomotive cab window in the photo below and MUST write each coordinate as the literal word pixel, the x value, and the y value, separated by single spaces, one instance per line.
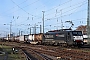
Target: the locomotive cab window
pixel 77 33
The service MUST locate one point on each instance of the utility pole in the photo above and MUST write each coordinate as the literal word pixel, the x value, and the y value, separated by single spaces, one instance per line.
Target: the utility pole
pixel 61 20
pixel 57 23
pixel 10 29
pixel 21 33
pixel 61 24
pixel 40 29
pixel 50 27
pixel 43 21
pixel 30 30
pixel 35 28
pixel 88 22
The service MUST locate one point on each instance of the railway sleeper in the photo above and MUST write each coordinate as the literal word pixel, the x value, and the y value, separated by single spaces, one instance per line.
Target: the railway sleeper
pixel 29 56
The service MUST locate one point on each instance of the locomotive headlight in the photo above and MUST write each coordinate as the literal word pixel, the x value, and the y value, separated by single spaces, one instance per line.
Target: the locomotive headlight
pixel 85 40
pixel 73 37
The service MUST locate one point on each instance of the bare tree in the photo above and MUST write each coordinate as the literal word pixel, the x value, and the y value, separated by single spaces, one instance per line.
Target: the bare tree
pixel 82 28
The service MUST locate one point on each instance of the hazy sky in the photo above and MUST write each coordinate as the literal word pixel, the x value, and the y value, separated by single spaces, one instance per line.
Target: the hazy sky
pixel 26 13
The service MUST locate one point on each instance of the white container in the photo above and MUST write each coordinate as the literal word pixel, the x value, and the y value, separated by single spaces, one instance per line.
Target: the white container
pixel 30 37
pixel 21 38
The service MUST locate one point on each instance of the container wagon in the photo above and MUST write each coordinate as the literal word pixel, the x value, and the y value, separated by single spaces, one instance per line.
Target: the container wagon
pixel 35 38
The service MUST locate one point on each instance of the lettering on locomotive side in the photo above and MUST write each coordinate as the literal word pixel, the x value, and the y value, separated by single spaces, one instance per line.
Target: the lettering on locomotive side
pixel 49 36
pixel 60 35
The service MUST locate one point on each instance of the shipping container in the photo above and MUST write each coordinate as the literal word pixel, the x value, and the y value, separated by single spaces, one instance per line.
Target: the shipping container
pixel 23 38
pixel 30 38
pixel 35 38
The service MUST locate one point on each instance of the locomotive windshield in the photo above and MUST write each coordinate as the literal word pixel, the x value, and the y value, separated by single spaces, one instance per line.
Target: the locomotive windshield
pixel 77 33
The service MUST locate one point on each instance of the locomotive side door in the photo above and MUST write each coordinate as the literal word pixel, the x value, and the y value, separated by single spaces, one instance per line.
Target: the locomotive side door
pixel 69 38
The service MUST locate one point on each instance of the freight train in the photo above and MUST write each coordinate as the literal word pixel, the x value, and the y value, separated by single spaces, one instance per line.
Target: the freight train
pixel 55 37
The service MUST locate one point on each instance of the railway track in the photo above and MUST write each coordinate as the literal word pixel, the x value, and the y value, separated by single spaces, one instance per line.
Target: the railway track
pixel 62 53
pixel 43 56
pixel 54 53
pixel 31 56
pixel 28 55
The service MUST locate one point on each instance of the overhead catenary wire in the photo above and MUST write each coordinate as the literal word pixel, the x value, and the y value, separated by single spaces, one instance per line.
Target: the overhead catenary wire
pixel 59 26
pixel 79 19
pixel 69 11
pixel 13 8
pixel 25 10
pixel 25 19
pixel 63 15
pixel 64 8
pixel 33 3
pixel 63 3
pixel 24 7
pixel 18 4
pixel 75 8
pixel 70 7
pixel 56 7
pixel 60 5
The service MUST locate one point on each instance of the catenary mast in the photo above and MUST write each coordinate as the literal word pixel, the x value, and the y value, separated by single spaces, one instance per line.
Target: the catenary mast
pixel 88 22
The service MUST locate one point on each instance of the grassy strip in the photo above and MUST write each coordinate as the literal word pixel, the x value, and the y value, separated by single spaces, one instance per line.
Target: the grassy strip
pixel 17 56
pixel 12 56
